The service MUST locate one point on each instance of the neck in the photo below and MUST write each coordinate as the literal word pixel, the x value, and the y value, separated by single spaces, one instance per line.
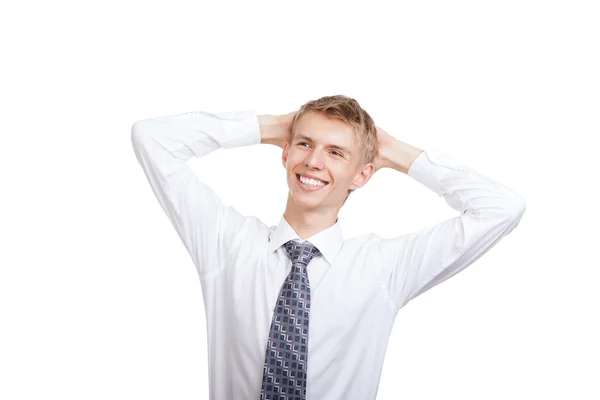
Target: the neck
pixel 307 223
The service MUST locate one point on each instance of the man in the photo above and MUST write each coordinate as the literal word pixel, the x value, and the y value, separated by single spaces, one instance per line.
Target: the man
pixel 294 311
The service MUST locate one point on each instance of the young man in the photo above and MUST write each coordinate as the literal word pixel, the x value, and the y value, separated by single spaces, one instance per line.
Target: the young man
pixel 294 311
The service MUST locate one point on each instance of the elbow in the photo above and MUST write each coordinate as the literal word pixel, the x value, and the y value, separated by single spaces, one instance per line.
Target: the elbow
pixel 521 208
pixel 509 210
pixel 518 207
pixel 512 207
pixel 514 212
pixel 139 132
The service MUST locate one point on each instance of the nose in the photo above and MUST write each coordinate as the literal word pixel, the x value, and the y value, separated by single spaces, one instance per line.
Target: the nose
pixel 314 160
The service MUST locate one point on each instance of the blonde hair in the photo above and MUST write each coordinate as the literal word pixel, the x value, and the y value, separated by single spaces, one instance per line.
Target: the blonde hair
pixel 350 112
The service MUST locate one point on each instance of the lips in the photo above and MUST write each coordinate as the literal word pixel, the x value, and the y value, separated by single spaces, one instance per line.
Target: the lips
pixel 308 176
pixel 307 188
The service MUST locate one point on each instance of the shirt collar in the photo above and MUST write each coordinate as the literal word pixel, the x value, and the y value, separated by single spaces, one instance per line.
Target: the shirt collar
pixel 329 241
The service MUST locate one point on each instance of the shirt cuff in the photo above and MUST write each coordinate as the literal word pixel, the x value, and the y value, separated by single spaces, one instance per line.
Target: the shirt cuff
pixel 431 166
pixel 241 127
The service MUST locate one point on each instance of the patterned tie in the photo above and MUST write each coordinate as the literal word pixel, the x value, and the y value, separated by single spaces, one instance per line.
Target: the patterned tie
pixel 284 372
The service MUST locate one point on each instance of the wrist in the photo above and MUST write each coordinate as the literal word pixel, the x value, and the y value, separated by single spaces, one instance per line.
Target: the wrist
pixel 269 128
pixel 401 155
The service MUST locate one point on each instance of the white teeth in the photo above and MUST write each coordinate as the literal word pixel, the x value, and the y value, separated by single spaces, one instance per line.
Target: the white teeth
pixel 311 182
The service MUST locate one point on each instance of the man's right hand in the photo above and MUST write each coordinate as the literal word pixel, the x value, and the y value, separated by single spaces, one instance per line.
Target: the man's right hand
pixel 275 129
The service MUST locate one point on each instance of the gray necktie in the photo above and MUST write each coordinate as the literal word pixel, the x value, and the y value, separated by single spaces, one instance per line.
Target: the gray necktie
pixel 284 372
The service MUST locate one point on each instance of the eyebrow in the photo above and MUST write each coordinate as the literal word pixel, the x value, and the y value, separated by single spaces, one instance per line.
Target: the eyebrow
pixel 335 146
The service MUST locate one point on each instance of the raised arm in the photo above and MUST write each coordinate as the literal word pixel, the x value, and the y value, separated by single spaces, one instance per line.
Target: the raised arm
pixel 163 146
pixel 487 211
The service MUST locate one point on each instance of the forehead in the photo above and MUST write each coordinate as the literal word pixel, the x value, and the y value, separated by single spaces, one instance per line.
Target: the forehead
pixel 327 130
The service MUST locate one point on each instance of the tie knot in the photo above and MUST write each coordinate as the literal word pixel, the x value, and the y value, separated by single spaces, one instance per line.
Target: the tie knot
pixel 301 252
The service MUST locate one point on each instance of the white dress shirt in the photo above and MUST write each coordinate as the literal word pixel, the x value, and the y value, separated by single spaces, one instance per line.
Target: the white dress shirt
pixel 358 285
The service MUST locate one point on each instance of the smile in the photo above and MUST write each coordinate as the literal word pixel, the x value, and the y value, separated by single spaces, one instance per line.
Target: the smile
pixel 309 185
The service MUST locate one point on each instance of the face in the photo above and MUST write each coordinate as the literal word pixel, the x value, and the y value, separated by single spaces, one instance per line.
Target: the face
pixel 325 149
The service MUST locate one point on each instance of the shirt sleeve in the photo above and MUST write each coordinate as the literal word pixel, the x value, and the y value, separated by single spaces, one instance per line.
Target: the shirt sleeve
pixel 487 211
pixel 163 146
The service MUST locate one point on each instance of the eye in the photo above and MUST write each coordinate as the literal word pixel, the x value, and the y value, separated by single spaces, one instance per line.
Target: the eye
pixel 301 143
pixel 336 153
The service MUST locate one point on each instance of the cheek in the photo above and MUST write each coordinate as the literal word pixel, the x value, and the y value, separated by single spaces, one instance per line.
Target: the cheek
pixel 339 172
pixel 293 158
pixel 343 177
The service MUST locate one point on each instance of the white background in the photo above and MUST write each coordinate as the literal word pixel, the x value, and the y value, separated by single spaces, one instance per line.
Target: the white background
pixel 99 298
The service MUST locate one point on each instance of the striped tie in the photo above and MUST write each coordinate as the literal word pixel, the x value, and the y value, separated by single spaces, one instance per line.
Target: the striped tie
pixel 284 372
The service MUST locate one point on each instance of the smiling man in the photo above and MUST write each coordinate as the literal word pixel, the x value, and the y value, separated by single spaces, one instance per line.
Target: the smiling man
pixel 324 162
pixel 295 311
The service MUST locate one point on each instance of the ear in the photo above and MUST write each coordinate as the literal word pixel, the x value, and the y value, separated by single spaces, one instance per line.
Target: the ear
pixel 363 176
pixel 284 155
